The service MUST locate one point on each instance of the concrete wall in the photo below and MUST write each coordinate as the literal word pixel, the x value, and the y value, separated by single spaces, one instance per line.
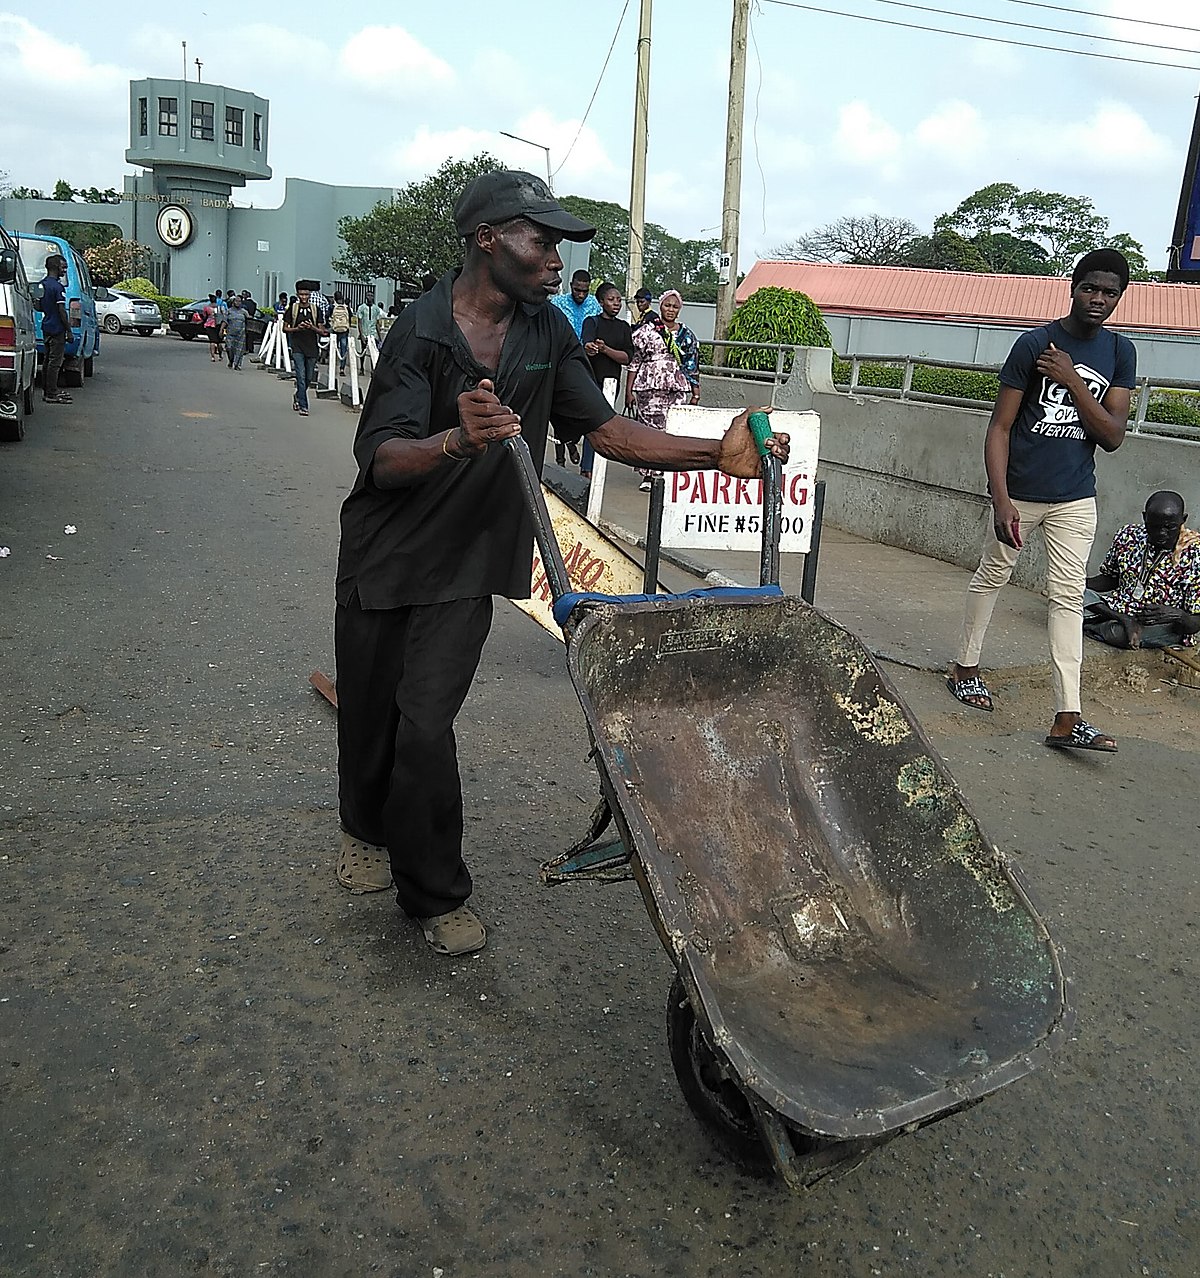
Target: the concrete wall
pixel 911 475
pixel 1174 356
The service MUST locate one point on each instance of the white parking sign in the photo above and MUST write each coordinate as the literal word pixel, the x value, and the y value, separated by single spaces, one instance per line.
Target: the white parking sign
pixel 706 510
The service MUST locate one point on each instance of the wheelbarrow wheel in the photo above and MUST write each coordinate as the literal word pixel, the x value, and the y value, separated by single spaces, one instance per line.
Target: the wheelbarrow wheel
pixel 712 1096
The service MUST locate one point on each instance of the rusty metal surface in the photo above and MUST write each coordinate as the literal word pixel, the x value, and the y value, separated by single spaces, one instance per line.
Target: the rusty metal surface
pixel 863 956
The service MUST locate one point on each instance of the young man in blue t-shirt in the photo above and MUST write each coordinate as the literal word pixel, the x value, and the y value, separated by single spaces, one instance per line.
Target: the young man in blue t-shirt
pixel 1064 388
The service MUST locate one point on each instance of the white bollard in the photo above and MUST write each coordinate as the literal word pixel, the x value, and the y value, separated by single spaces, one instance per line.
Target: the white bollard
pixel 355 392
pixel 600 464
pixel 267 349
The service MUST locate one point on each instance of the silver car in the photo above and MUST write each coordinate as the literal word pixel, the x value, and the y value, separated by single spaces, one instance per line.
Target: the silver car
pixel 118 311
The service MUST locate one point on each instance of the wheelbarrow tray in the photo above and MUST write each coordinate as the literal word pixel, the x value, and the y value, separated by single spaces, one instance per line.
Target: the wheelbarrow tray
pixel 861 956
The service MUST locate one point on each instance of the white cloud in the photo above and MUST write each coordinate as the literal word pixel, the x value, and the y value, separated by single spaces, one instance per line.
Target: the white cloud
pixel 954 135
pixel 865 139
pixel 428 148
pixel 1114 137
pixel 389 62
pixel 73 133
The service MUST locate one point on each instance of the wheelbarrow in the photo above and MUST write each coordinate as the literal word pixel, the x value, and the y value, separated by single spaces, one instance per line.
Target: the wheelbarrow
pixel 854 958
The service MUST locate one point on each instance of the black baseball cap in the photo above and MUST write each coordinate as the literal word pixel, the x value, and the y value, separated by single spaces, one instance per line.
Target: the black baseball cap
pixel 505 194
pixel 644 293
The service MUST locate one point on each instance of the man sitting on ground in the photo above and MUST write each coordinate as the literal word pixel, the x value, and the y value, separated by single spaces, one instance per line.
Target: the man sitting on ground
pixel 1147 592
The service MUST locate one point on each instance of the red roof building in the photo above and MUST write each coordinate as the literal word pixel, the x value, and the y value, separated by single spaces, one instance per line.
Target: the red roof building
pixel 1022 301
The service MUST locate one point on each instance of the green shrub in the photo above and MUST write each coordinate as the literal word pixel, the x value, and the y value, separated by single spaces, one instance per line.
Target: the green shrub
pixel 139 285
pixel 780 315
pixel 1174 408
pixel 144 288
pixel 956 383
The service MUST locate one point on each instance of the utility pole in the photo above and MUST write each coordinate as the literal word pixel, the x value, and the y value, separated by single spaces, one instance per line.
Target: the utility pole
pixel 731 202
pixel 637 190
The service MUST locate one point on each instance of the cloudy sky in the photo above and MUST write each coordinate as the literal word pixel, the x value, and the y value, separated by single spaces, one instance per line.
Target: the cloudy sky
pixel 843 116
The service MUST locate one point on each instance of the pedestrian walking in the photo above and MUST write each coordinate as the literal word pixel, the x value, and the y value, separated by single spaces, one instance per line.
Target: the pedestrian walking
pixel 1064 388
pixel 304 330
pixel 213 328
pixel 235 334
pixel 339 327
pixel 656 381
pixel 364 319
pixel 608 344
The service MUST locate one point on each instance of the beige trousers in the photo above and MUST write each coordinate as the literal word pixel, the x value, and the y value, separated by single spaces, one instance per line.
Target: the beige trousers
pixel 1069 528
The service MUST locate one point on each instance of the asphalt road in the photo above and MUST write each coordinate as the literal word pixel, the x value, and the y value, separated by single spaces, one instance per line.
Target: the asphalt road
pixel 214 1061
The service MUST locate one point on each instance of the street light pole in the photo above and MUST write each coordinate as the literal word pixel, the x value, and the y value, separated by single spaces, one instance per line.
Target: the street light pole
pixel 540 146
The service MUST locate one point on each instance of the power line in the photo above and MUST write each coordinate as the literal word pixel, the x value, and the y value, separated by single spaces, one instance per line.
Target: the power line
pixel 969 35
pixel 1080 13
pixel 599 81
pixel 1025 26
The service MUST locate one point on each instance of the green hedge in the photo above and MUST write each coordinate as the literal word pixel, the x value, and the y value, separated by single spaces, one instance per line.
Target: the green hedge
pixel 1174 408
pixel 956 383
pixel 144 288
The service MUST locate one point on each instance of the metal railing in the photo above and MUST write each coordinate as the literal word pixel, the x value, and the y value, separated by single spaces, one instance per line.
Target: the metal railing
pixel 784 356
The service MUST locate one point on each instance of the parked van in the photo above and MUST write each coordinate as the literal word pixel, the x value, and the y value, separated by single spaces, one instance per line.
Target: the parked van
pixel 18 341
pixel 83 343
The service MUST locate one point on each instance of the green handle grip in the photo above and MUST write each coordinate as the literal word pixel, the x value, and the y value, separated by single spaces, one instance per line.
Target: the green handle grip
pixel 760 428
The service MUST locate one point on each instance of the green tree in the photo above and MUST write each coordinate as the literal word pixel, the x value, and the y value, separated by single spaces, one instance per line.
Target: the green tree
pixel 27 193
pixel 1032 232
pixel 63 190
pixel 667 262
pixel 943 250
pixel 609 258
pixel 415 233
pixel 873 240
pixel 82 236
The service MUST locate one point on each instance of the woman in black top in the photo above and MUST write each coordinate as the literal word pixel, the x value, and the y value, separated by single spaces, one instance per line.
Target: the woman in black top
pixel 608 342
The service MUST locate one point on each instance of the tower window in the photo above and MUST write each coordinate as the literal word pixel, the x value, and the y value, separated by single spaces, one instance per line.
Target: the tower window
pixel 168 117
pixel 257 132
pixel 143 117
pixel 234 117
pixel 202 121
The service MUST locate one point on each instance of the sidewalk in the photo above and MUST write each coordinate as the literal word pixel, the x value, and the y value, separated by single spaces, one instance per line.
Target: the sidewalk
pixel 906 608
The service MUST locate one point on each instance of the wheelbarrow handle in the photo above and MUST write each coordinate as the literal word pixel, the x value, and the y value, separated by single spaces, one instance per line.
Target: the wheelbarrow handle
pixel 772 473
pixel 543 530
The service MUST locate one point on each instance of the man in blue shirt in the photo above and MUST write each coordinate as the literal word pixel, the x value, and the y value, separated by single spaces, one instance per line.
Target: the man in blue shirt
pixel 1064 388
pixel 577 305
pixel 56 325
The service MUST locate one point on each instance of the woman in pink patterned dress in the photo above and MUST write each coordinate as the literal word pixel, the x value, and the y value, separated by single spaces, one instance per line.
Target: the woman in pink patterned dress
pixel 656 381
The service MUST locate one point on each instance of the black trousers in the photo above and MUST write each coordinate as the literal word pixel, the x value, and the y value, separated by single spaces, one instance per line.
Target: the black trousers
pixel 402 677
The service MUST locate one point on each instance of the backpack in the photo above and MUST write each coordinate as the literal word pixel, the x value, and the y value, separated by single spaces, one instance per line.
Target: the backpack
pixel 339 318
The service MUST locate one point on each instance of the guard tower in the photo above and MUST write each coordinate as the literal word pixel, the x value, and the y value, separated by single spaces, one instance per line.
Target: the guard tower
pixel 196 142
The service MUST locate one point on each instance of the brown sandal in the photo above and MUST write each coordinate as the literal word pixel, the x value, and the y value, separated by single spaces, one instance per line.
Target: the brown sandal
pixel 458 932
pixel 363 867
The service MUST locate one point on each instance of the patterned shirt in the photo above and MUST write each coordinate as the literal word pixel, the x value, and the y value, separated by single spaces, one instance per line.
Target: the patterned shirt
pixel 576 312
pixel 1172 579
pixel 689 355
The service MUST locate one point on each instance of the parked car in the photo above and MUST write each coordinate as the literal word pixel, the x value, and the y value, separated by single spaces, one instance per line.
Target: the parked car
pixel 188 322
pixel 83 341
pixel 117 311
pixel 18 341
